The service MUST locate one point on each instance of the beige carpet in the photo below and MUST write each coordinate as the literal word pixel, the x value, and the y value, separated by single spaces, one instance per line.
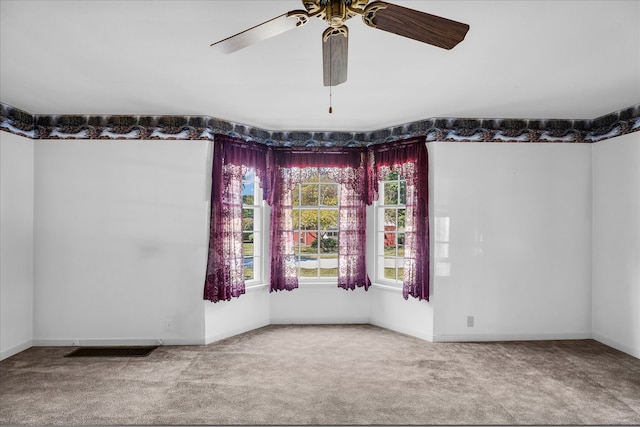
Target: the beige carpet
pixel 344 374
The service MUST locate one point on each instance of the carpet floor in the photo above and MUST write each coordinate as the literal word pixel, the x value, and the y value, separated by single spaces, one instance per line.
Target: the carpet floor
pixel 323 375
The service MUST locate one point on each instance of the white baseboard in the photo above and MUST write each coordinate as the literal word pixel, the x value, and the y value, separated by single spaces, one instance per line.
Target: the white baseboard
pixel 69 342
pixel 16 349
pixel 635 352
pixel 184 341
pixel 319 321
pixel 400 329
pixel 512 337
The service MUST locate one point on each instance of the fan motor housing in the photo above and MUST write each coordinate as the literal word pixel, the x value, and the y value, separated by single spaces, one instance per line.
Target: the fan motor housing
pixel 335 12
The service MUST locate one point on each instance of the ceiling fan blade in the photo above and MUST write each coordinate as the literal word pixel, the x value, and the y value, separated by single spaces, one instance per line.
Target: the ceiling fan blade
pixel 335 44
pixel 260 32
pixel 421 26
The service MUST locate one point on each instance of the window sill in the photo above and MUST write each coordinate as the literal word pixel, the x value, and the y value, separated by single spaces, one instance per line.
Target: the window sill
pixel 256 286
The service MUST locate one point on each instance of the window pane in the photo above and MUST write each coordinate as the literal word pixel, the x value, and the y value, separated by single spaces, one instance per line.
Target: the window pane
pixel 390 268
pixel 381 242
pixel 247 224
pixel 401 219
pixel 329 265
pixel 309 194
pixel 248 193
pixel 329 272
pixel 390 193
pixel 403 193
pixel 329 219
pixel 295 196
pixel 247 213
pixel 328 245
pixel 309 219
pixel 308 243
pixel 247 244
pixel 308 265
pixel 390 221
pixel 248 268
pixel 328 195
pixel 308 272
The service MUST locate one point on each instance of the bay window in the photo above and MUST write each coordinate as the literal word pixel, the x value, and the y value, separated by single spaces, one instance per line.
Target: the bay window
pixel 318 201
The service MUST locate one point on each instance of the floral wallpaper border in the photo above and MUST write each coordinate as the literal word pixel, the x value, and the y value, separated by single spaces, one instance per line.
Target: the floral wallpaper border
pixel 126 127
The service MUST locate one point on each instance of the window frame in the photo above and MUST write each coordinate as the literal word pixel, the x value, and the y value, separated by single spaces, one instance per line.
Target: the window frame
pixel 380 231
pixel 259 249
pixel 318 279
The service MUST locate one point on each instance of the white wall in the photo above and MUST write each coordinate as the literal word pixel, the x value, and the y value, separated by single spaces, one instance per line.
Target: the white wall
pixel 319 303
pixel 228 318
pixel 121 230
pixel 388 309
pixel 121 241
pixel 616 243
pixel 519 241
pixel 391 311
pixel 16 250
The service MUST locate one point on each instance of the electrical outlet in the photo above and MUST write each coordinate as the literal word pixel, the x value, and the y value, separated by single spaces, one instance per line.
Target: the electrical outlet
pixel 470 321
pixel 168 324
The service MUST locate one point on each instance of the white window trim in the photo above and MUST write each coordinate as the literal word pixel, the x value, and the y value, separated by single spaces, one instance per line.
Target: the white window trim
pixel 382 281
pixel 373 236
pixel 377 208
pixel 316 281
pixel 264 240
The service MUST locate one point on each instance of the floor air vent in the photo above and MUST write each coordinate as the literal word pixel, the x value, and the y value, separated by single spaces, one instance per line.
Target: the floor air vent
pixel 112 351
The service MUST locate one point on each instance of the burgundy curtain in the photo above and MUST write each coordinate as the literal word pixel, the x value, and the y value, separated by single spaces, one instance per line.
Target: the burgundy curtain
pixel 232 159
pixel 357 171
pixel 408 158
pixel 348 167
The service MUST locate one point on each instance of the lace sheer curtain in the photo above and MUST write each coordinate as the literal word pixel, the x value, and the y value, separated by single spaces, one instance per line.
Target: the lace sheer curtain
pixel 356 170
pixel 349 169
pixel 409 158
pixel 232 159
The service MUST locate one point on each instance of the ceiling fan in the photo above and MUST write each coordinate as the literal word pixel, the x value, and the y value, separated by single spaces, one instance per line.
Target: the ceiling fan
pixel 421 26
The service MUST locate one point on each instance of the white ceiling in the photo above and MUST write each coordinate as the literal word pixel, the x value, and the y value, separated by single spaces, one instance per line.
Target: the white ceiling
pixel 521 59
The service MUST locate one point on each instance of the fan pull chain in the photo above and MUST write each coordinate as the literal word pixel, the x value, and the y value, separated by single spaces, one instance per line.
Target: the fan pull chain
pixel 330 108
